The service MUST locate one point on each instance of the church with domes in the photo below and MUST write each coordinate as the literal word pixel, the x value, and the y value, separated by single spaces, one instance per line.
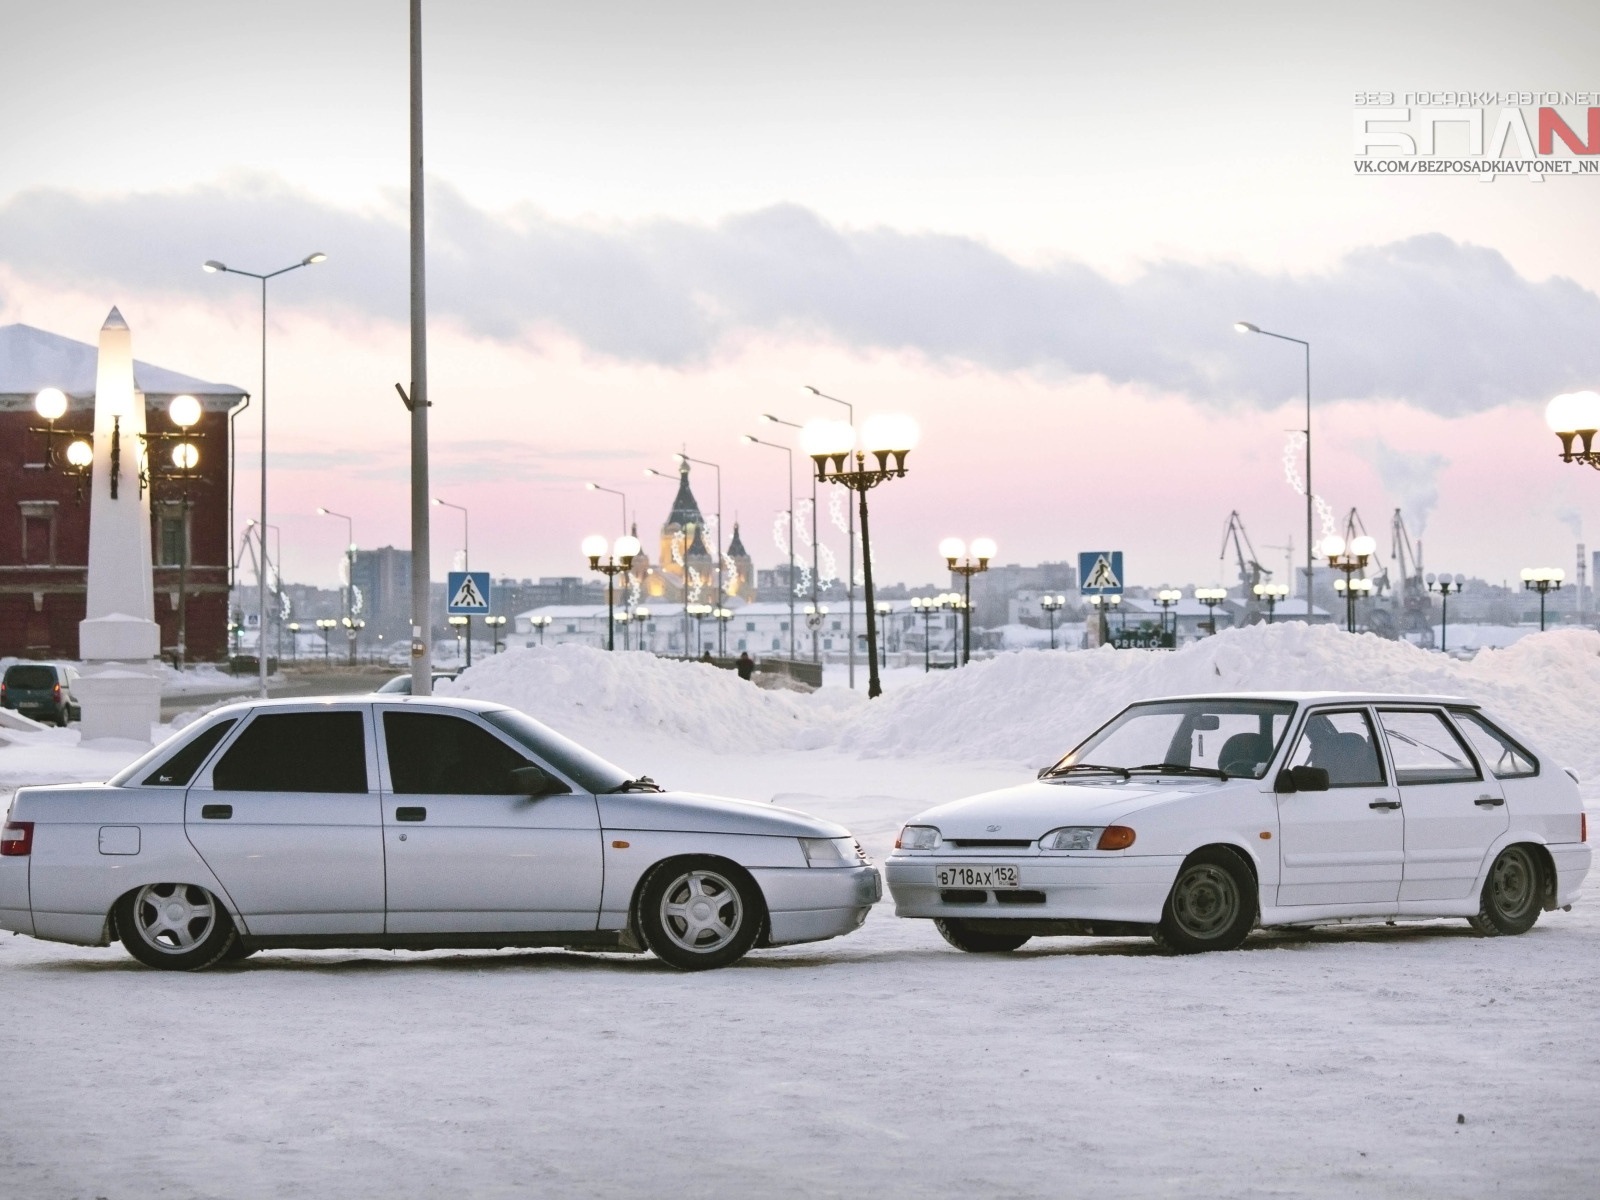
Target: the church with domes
pixel 686 572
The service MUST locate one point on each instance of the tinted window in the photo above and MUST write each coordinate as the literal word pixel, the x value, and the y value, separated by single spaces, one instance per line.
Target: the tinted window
pixel 437 754
pixel 1504 758
pixel 296 752
pixel 1424 748
pixel 1342 744
pixel 178 770
pixel 30 677
pixel 588 771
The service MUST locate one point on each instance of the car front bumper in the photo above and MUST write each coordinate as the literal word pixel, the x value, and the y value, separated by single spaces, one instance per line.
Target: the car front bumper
pixel 1123 888
pixel 812 903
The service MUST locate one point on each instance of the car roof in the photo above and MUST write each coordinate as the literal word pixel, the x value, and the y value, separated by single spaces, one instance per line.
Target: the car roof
pixel 242 706
pixel 1324 698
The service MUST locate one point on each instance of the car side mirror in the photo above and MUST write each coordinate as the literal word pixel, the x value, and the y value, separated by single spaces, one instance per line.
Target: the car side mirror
pixel 1302 779
pixel 534 780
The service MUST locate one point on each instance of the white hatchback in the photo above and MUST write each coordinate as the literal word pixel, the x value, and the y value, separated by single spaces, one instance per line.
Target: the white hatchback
pixel 1194 819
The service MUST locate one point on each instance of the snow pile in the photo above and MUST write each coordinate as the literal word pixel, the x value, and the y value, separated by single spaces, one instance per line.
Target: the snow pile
pixel 580 690
pixel 1031 707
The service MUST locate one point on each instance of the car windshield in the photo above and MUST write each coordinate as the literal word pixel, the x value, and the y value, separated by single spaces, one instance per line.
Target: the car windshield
pixel 589 770
pixel 30 677
pixel 1227 738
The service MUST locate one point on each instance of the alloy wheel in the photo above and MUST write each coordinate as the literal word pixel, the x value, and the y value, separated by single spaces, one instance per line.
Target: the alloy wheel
pixel 173 918
pixel 701 911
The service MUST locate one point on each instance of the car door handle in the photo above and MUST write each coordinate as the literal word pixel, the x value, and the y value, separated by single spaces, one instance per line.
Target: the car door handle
pixel 1384 804
pixel 411 814
pixel 1489 801
pixel 216 812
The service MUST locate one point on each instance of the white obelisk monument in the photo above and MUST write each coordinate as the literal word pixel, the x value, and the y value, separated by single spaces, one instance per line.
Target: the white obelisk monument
pixel 118 640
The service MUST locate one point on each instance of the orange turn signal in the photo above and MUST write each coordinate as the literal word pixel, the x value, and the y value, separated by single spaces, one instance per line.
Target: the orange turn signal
pixel 1116 837
pixel 619 845
pixel 1266 835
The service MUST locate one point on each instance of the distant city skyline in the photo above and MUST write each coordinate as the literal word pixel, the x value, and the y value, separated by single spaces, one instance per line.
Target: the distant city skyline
pixel 1030 227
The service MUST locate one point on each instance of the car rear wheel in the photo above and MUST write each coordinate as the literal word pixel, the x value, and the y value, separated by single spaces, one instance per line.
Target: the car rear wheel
pixel 963 937
pixel 1212 905
pixel 174 926
pixel 1512 895
pixel 700 913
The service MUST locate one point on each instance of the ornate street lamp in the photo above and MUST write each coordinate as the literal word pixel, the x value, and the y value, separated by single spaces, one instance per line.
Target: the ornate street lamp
pixel 1349 559
pixel 183 458
pixel 1271 593
pixel 832 447
pixel 1575 417
pixel 619 561
pixel 926 606
pixel 1051 606
pixel 1352 590
pixel 294 640
pixel 699 612
pixel 966 563
pixel 884 609
pixel 1211 597
pixel 956 604
pixel 1543 580
pixel 495 624
pixel 541 622
pixel 641 615
pixel 1444 585
pixel 327 625
pixel 1101 602
pixel 352 631
pixel 460 625
pixel 1167 598
pixel 51 404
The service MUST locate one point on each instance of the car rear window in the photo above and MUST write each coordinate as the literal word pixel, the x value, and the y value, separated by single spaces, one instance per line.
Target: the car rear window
pixel 296 752
pixel 32 677
pixel 178 770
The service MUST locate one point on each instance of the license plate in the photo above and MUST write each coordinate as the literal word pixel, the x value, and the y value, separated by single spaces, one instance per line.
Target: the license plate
pixel 975 876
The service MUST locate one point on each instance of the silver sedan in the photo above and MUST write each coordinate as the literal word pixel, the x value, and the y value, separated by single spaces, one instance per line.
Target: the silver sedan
pixel 416 824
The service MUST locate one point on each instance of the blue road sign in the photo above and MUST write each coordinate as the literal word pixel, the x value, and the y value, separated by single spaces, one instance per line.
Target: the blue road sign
pixel 1100 573
pixel 469 593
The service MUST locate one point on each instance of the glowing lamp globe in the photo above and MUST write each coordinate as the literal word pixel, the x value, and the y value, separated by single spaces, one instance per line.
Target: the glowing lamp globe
pixel 80 454
pixel 824 438
pixel 1331 546
pixel 952 548
pixel 1363 546
pixel 185 456
pixel 1571 412
pixel 889 432
pixel 595 546
pixel 184 411
pixel 626 547
pixel 51 404
pixel 983 549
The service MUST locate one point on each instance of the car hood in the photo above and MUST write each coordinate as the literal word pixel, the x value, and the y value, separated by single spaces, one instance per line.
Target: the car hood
pixel 1033 809
pixel 690 812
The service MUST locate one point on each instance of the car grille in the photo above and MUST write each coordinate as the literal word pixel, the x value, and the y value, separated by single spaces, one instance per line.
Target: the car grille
pixel 980 896
pixel 990 843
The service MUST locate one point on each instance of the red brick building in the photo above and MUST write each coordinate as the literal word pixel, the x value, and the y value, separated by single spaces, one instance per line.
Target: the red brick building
pixel 44 515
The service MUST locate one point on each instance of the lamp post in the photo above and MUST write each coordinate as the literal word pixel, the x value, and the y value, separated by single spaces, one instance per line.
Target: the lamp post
pixel 1051 605
pixel 541 622
pixel 722 616
pixel 327 625
pixel 349 572
pixel 832 447
pixel 459 624
pixel 1576 415
pixel 1246 327
pixel 595 487
pixel 1543 580
pixel 1351 590
pixel 495 624
pixel 751 440
pixel 1349 559
pixel 1444 585
pixel 641 618
pixel 618 562
pixel 212 266
pixel 352 632
pixel 294 640
pixel 884 610
pixel 816 552
pixel 925 605
pixel 956 555
pixel 954 602
pixel 266 563
pixel 850 536
pixel 1271 593
pixel 1211 597
pixel 1101 602
pixel 184 411
pixel 814 615
pixel 466 556
pixel 1167 598
pixel 699 612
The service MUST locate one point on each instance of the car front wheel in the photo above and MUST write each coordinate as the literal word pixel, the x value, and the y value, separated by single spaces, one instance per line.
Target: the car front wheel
pixel 700 913
pixel 1512 895
pixel 963 937
pixel 1212 905
pixel 174 926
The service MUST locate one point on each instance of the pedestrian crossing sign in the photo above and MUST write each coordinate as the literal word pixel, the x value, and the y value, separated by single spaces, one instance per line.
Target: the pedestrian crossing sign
pixel 468 593
pixel 1100 573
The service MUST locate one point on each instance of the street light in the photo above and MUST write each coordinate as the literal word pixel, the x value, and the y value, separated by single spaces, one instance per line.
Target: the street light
pixel 751 440
pixel 349 568
pixel 352 631
pixel 1349 559
pixel 832 446
pixel 641 617
pixel 619 561
pixel 327 625
pixel 699 612
pixel 294 640
pixel 1246 327
pixel 541 622
pixel 184 412
pixel 1102 601
pixel 1051 606
pixel 51 404
pixel 1576 415
pixel 212 267
pixel 459 624
pixel 685 457
pixel 1167 598
pixel 816 549
pixel 967 562
pixel 495 624
pixel 1211 597
pixel 927 606
pixel 884 609
pixel 1444 585
pixel 595 487
pixel 1352 590
pixel 1271 593
pixel 956 604
pixel 850 536
pixel 1543 580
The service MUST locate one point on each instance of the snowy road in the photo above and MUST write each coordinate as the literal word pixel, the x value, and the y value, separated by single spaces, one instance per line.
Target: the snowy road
pixel 1329 1064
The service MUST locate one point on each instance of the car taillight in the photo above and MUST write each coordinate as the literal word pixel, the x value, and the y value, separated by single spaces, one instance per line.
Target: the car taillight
pixel 16 840
pixel 1583 827
pixel 58 691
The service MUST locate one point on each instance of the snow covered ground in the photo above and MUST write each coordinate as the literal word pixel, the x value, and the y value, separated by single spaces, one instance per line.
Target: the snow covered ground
pixel 1324 1064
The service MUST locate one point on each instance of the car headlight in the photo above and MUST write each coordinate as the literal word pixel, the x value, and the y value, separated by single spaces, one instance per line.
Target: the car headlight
pixel 833 852
pixel 917 837
pixel 1088 837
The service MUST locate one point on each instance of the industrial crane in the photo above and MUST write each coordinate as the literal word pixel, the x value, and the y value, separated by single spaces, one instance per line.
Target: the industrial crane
pixel 1251 572
pixel 1413 603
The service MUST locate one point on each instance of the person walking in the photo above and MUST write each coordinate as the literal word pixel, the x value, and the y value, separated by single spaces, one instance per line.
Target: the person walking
pixel 746 665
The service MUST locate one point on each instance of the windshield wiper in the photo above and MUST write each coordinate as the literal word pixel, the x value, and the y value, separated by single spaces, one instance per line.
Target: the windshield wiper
pixel 1182 769
pixel 1123 771
pixel 642 784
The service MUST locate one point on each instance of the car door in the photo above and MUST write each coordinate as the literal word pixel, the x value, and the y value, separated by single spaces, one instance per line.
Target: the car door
pixel 1344 846
pixel 468 850
pixel 288 819
pixel 1453 813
